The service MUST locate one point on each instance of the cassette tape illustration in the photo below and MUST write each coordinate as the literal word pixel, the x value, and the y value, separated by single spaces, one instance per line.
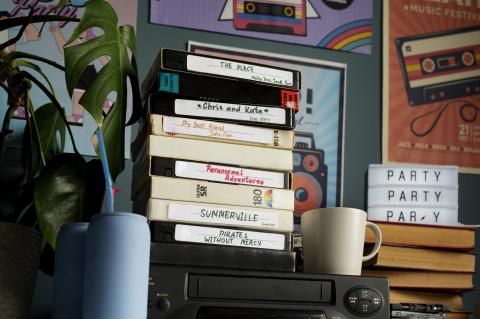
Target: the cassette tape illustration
pixel 272 16
pixel 309 174
pixel 440 66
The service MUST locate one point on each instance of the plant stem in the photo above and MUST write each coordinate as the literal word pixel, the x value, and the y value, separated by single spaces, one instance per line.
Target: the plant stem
pixel 30 139
pixel 37 135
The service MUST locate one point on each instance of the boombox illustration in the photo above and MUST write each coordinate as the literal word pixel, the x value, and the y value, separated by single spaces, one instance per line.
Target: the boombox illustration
pixel 309 174
pixel 440 66
pixel 273 16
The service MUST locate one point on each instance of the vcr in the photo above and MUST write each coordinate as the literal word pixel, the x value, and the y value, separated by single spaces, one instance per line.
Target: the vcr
pixel 185 292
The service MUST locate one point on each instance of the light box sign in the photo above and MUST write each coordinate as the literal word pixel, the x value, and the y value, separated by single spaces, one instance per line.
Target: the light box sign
pixel 413 194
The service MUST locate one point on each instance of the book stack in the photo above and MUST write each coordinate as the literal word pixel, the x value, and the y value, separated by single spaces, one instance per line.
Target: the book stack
pixel 425 264
pixel 424 251
pixel 213 162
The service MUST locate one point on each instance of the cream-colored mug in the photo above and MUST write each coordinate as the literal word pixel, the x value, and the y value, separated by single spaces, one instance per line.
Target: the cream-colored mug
pixel 333 240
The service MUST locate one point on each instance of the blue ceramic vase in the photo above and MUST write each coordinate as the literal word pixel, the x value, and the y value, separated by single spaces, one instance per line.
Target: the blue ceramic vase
pixel 68 278
pixel 116 267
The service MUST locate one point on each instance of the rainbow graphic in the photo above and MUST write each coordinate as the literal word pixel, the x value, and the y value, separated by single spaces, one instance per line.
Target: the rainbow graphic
pixel 268 198
pixel 349 36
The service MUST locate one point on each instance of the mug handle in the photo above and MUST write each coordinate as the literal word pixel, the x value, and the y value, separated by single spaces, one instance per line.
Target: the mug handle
pixel 378 241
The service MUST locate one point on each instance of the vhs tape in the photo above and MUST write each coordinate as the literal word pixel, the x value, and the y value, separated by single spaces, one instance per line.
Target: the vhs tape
pixel 183 127
pixel 181 61
pixel 189 85
pixel 210 131
pixel 397 314
pixel 180 233
pixel 172 167
pixel 249 114
pixel 217 193
pixel 215 152
pixel 441 65
pixel 222 256
pixel 419 307
pixel 280 221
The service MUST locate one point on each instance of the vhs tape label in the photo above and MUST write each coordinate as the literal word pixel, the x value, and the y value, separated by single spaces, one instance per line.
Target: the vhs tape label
pixel 218 215
pixel 225 131
pixel 228 174
pixel 229 237
pixel 249 113
pixel 240 70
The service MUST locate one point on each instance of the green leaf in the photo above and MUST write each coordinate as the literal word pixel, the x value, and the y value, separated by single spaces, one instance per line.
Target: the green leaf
pixel 116 43
pixel 67 190
pixel 51 130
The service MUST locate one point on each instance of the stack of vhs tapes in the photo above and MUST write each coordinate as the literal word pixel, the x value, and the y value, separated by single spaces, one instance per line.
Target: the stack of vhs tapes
pixel 213 162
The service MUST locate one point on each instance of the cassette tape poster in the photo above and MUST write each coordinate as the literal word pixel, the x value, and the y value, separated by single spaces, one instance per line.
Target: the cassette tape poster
pixel 49 44
pixel 344 25
pixel 432 83
pixel 318 151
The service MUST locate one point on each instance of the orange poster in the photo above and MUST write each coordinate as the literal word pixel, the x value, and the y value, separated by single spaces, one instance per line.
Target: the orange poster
pixel 431 83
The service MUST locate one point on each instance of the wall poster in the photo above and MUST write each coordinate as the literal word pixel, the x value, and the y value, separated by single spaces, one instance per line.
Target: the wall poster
pixel 318 152
pixel 49 44
pixel 431 98
pixel 344 25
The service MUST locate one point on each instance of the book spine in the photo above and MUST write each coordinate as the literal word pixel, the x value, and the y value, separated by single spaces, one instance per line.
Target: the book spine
pixel 213 152
pixel 220 215
pixel 219 193
pixel 221 132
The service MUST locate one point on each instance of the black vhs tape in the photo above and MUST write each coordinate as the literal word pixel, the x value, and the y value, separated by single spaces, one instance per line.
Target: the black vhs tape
pixel 419 307
pixel 220 236
pixel 249 114
pixel 222 257
pixel 399 314
pixel 189 292
pixel 207 88
pixel 171 167
pixel 182 61
pixel 440 65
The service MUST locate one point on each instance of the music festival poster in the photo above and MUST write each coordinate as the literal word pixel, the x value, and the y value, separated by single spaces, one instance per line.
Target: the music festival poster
pixel 319 132
pixel 49 44
pixel 431 77
pixel 344 25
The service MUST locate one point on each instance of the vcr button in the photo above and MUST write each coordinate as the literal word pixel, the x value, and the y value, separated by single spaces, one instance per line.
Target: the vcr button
pixel 352 300
pixel 365 307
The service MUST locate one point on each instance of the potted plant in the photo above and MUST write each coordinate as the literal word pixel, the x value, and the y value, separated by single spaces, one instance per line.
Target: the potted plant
pixel 20 243
pixel 55 188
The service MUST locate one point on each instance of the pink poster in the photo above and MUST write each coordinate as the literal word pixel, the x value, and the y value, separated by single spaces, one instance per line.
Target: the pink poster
pixel 48 42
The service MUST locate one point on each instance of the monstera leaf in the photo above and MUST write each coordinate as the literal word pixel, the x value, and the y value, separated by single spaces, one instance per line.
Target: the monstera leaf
pixel 118 44
pixel 51 129
pixel 67 190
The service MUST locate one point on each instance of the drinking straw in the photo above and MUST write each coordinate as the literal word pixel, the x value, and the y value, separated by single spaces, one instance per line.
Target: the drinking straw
pixel 106 171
